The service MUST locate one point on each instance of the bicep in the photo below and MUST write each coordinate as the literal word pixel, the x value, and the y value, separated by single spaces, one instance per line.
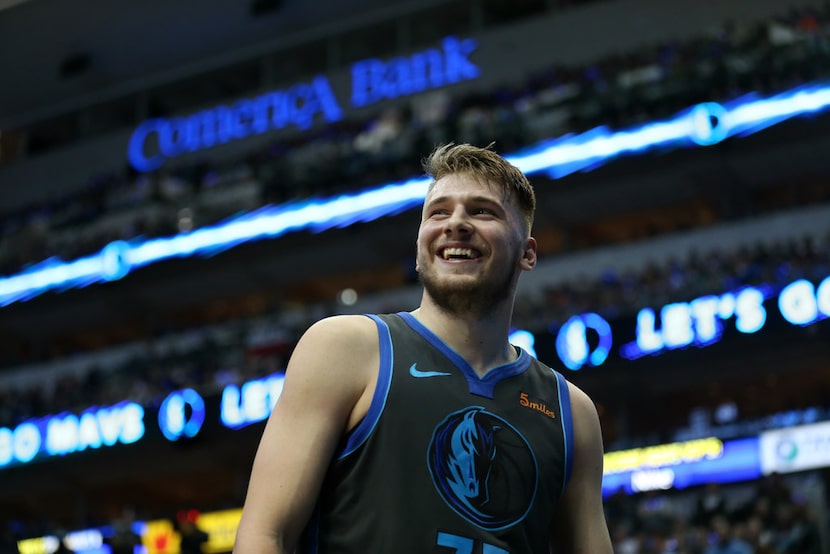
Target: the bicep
pixel 579 526
pixel 325 378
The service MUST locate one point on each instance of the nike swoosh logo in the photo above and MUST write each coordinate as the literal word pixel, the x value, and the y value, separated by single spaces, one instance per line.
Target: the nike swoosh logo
pixel 415 372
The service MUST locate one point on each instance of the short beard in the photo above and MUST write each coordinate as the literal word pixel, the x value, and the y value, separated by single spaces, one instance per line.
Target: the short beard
pixel 478 300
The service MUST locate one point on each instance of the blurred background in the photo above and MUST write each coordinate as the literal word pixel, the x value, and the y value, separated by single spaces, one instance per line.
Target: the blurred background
pixel 186 186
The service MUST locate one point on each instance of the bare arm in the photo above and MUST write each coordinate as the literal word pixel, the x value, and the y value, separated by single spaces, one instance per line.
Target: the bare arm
pixel 328 385
pixel 579 525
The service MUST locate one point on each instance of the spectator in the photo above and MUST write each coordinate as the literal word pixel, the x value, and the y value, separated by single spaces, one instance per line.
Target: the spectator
pixel 723 539
pixel 710 503
pixel 192 537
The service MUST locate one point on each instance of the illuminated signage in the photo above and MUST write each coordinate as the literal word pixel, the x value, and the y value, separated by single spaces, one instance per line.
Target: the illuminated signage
pixel 588 339
pixel 662 455
pixel 120 258
pixel 85 541
pixel 221 529
pixel 557 157
pixel 681 465
pixel 168 138
pixel 699 322
pixel 375 80
pixel 156 140
pixel 802 304
pixel 251 403
pixel 573 346
pixel 181 414
pixel 158 536
pixel 523 339
pixel 68 433
pixel 795 449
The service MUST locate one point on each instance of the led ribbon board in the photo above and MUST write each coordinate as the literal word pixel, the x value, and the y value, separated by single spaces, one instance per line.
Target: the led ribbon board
pixel 701 125
pixel 587 340
pixel 798 448
pixel 68 433
pixel 681 465
pixel 181 415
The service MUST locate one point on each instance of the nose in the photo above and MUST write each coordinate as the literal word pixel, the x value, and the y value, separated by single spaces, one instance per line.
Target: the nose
pixel 458 222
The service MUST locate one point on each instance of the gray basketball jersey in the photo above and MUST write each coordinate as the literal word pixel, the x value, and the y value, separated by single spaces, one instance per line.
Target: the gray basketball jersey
pixel 446 461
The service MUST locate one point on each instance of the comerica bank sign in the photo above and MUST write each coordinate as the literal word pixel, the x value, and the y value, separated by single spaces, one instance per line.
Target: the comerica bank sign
pixel 156 140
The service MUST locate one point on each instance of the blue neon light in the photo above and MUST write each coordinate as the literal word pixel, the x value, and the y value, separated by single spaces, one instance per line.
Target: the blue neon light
pixel 117 259
pixel 156 140
pixel 20 444
pixel 704 124
pixel 374 80
pixel 749 310
pixel 707 127
pixel 250 403
pixel 174 420
pixel 572 343
pixel 699 322
pixel 524 340
pixel 181 414
pixel 67 433
pixel 802 304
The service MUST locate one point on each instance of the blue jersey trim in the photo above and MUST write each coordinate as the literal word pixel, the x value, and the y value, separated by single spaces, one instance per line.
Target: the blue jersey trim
pixel 363 429
pixel 567 426
pixel 481 386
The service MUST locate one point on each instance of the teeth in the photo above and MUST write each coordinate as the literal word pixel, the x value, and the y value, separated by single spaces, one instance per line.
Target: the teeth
pixel 466 253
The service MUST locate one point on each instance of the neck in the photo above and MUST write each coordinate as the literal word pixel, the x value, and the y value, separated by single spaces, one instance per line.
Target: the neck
pixel 481 339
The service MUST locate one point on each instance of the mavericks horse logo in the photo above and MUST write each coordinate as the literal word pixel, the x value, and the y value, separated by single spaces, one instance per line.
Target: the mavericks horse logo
pixel 483 468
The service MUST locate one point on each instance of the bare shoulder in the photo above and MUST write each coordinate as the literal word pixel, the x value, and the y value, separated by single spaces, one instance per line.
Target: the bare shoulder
pixel 349 332
pixel 582 407
pixel 586 424
pixel 328 377
pixel 587 434
pixel 341 351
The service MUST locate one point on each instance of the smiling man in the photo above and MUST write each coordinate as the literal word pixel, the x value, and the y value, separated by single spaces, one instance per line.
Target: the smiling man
pixel 427 431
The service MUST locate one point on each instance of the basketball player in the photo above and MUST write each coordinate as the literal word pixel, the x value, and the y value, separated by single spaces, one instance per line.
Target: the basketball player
pixel 427 431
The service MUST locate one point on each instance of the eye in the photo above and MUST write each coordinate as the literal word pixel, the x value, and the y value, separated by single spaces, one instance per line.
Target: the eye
pixel 483 211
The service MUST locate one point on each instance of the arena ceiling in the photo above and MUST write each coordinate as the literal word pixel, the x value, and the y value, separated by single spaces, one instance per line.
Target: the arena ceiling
pixel 61 54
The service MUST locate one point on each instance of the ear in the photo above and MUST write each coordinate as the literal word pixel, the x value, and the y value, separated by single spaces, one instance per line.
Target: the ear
pixel 528 260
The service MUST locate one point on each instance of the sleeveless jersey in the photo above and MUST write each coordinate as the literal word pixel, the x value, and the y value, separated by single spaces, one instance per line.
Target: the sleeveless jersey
pixel 447 461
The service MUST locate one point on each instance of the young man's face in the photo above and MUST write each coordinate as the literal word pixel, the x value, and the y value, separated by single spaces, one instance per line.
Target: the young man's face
pixel 472 244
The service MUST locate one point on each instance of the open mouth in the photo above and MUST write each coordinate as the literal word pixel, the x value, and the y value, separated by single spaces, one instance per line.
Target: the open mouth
pixel 457 253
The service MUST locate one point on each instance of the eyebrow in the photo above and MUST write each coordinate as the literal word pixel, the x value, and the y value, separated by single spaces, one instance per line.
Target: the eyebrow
pixel 479 199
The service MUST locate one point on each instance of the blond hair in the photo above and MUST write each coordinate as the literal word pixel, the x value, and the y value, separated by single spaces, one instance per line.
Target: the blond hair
pixel 484 163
